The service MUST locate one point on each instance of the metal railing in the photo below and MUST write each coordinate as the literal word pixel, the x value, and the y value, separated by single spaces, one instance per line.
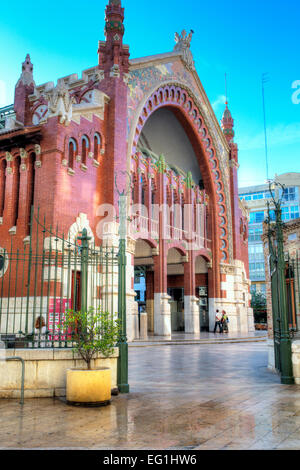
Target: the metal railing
pixel 48 275
pixel 144 227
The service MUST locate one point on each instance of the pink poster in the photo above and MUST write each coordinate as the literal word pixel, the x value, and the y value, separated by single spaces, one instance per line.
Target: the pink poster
pixel 56 317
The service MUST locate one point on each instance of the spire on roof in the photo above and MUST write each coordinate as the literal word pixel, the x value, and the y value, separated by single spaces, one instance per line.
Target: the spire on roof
pixel 27 72
pixel 113 55
pixel 228 124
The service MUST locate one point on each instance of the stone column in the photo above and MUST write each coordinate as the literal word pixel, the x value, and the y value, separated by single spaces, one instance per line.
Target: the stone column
pixel 131 304
pixel 162 308
pixel 191 303
pixel 150 299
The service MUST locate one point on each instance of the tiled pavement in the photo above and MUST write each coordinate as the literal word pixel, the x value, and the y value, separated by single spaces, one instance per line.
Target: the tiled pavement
pixel 212 396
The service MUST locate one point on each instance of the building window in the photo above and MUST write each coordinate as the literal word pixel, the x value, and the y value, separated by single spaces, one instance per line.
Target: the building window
pixel 272 215
pixel 72 150
pixel 289 194
pixel 16 190
pixel 85 145
pixel 256 196
pixel 2 185
pixel 257 271
pixel 256 252
pixel 263 289
pixel 253 288
pixel 97 146
pixel 31 183
pixel 292 237
pixel 255 234
pixel 290 212
pixel 257 217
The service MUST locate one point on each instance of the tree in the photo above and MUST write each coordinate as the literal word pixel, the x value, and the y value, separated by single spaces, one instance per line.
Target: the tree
pixel 92 332
pixel 259 305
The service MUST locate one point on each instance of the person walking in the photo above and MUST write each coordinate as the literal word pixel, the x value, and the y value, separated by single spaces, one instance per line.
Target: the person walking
pixel 218 322
pixel 225 321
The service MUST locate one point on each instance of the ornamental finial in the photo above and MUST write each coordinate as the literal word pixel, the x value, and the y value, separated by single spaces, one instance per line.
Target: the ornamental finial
pixel 183 44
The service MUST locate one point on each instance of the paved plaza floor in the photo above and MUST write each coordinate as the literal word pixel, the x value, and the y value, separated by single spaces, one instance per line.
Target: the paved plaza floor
pixel 208 396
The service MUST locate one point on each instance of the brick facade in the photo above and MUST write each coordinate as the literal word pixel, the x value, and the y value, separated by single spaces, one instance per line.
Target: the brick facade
pixel 71 143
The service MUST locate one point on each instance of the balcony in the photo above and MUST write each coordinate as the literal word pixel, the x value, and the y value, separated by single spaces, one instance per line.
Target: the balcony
pixel 144 227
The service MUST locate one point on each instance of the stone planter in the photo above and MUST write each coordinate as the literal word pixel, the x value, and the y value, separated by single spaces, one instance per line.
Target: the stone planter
pixel 88 387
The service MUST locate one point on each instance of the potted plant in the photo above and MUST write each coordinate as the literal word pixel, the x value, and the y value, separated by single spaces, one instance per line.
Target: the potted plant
pixel 91 333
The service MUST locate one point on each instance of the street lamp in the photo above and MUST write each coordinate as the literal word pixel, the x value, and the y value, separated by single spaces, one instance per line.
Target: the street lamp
pixel 282 340
pixel 122 369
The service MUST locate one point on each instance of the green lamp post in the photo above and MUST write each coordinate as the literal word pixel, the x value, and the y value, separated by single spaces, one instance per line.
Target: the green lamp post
pixel 122 373
pixel 282 340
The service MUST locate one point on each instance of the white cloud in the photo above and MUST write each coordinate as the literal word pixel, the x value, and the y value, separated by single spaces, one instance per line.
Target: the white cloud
pixel 281 134
pixel 221 100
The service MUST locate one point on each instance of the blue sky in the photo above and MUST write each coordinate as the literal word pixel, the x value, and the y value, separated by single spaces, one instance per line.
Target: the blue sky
pixel 242 38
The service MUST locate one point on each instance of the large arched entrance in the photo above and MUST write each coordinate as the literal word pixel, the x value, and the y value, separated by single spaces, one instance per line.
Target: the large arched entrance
pixel 174 165
pixel 178 158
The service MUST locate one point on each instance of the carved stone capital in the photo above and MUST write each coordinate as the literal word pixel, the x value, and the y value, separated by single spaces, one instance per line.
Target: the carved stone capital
pixel 115 71
pixel 131 245
pixel 37 149
pixel 233 164
pixel 155 251
pixel 23 153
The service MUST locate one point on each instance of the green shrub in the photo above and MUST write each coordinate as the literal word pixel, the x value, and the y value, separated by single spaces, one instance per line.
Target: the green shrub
pixel 92 332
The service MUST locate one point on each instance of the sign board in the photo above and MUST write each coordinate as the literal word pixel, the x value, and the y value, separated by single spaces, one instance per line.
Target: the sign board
pixel 57 310
pixel 203 291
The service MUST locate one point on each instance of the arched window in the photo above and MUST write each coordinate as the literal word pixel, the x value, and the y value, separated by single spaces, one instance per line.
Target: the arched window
pixel 85 145
pixel 72 151
pixel 97 146
pixel 2 185
pixel 16 190
pixel 31 183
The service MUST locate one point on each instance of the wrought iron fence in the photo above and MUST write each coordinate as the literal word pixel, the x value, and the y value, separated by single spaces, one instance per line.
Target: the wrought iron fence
pixel 44 276
pixel 292 277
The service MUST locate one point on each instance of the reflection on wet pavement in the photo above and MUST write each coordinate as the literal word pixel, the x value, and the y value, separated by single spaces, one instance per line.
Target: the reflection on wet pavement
pixel 201 397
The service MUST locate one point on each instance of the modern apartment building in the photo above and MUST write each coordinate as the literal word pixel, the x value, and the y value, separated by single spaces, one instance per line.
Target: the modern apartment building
pixel 256 198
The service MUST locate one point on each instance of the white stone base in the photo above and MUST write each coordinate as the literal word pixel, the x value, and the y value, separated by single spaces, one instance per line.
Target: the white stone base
pixel 191 314
pixel 162 315
pixel 132 317
pixel 271 355
pixel 296 360
pixel 45 371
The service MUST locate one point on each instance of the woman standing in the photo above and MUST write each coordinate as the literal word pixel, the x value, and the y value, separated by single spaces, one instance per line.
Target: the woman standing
pixel 225 321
